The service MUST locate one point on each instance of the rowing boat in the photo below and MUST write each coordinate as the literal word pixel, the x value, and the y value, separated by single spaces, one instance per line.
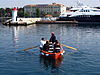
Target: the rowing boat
pixel 52 63
pixel 53 53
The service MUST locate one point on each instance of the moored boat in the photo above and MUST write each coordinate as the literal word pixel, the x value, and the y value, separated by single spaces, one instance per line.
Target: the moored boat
pixel 81 14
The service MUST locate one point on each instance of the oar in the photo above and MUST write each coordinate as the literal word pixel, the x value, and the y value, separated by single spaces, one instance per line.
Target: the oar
pixel 28 48
pixel 69 47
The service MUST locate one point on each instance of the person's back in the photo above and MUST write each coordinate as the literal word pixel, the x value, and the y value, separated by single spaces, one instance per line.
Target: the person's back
pixel 46 46
pixel 42 42
pixel 57 46
pixel 53 38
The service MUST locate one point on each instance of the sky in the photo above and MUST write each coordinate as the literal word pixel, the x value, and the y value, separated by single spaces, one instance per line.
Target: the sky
pixel 21 3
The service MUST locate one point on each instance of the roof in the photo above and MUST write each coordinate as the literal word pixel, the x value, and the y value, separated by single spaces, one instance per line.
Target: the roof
pixel 48 15
pixel 53 4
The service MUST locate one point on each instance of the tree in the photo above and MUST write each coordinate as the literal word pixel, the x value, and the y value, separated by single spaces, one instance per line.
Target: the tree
pixel 2 12
pixel 26 15
pixel 37 12
pixel 43 14
pixel 20 12
pixel 8 12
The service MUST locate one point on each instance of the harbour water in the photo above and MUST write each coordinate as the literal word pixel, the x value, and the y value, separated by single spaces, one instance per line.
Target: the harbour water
pixel 84 61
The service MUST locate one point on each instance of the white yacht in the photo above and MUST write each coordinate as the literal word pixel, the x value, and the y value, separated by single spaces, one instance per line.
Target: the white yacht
pixel 81 14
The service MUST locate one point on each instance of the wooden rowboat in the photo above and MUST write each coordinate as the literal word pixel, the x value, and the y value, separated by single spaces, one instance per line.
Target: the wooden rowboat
pixel 50 63
pixel 51 54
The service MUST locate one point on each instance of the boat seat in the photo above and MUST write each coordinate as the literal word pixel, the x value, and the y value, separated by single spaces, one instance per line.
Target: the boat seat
pixel 51 48
pixel 50 42
pixel 58 48
pixel 50 45
pixel 50 51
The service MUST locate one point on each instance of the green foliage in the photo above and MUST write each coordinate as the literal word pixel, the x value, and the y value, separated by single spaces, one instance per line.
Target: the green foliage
pixel 2 12
pixel 7 12
pixel 37 12
pixel 26 15
pixel 20 12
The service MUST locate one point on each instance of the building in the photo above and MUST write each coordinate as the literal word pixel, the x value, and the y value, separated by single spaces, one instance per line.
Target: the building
pixel 41 10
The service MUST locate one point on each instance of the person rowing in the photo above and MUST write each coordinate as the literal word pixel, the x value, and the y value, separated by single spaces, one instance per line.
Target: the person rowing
pixel 42 42
pixel 52 38
pixel 57 46
pixel 46 46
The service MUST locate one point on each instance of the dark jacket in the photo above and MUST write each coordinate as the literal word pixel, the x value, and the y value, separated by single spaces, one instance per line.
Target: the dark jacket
pixel 46 47
pixel 53 38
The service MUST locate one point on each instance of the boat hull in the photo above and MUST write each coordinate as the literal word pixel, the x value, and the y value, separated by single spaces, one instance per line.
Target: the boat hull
pixel 52 55
pixel 81 18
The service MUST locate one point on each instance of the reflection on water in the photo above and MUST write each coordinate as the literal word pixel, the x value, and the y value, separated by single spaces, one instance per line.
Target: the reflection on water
pixel 50 64
pixel 15 36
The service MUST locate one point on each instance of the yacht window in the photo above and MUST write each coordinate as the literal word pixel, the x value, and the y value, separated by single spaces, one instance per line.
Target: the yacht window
pixel 88 10
pixel 96 10
pixel 81 10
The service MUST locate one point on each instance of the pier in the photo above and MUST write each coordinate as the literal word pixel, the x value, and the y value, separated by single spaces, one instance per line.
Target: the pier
pixel 28 21
pixel 22 21
pixel 56 22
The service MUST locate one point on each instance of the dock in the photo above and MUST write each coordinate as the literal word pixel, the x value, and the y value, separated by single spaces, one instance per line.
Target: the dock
pixel 22 21
pixel 29 21
pixel 56 22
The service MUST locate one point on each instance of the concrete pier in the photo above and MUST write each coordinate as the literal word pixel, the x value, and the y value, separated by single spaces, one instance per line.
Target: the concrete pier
pixel 22 21
pixel 28 21
pixel 56 22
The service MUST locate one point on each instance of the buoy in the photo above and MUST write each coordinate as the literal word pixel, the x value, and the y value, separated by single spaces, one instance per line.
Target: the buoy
pixel 14 15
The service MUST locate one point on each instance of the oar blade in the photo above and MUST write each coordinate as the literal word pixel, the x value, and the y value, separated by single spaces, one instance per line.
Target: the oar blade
pixel 69 47
pixel 29 48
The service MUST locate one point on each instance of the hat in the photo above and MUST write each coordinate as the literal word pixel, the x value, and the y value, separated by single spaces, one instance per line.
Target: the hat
pixel 52 33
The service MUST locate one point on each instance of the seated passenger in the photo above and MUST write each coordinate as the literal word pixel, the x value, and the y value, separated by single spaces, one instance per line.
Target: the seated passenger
pixel 57 46
pixel 46 46
pixel 42 42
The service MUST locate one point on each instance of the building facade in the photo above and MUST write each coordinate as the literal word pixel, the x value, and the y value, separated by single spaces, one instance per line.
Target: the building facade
pixel 41 10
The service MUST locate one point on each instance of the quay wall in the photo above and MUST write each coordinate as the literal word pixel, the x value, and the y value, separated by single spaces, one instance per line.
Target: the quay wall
pixel 21 21
pixel 28 21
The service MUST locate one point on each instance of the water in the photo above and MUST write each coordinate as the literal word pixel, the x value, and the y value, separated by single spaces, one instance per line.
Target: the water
pixel 84 61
